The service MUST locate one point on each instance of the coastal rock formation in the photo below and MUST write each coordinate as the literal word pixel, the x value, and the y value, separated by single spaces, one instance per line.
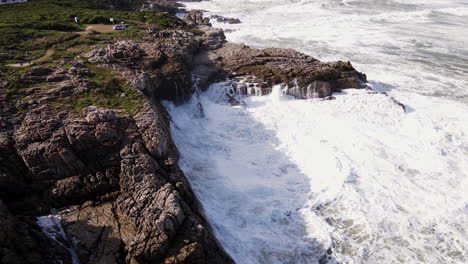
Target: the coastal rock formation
pixel 165 70
pixel 114 172
pixel 161 69
pixel 196 18
pixel 303 76
pixel 130 202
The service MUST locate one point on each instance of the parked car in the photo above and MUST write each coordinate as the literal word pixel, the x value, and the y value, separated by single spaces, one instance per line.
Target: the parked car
pixel 120 27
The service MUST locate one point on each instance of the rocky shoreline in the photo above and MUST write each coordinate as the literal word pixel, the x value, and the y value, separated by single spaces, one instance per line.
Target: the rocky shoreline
pixel 114 174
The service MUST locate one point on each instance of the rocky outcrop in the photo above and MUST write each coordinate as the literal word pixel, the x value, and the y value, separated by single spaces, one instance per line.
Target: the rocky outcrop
pixel 162 67
pixel 130 202
pixel 228 20
pixel 257 70
pixel 196 18
pixel 159 69
pixel 169 70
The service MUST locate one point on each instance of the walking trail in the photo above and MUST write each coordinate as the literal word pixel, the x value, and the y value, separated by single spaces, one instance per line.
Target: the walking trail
pixel 48 53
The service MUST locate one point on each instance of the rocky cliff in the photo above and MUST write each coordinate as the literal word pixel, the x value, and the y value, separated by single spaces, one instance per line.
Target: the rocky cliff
pixel 114 175
pixel 99 150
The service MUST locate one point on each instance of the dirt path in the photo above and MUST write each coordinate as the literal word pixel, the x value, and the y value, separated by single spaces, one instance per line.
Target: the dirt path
pixel 48 53
pixel 98 28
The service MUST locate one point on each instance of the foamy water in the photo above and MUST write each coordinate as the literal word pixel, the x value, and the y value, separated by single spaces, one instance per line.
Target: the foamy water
pixel 51 225
pixel 413 45
pixel 283 180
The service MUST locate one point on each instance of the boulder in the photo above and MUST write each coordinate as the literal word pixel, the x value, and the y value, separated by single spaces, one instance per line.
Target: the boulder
pixel 195 18
pixel 228 20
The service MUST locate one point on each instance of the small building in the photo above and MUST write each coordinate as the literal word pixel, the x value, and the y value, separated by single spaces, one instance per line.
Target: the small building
pixel 2 2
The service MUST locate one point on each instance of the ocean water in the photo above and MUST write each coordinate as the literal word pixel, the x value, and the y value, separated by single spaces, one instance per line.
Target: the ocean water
pixel 285 180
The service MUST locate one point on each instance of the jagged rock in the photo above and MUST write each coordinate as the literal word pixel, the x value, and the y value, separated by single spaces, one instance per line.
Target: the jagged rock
pixel 155 130
pixel 195 18
pixel 56 78
pixel 160 69
pixel 125 53
pixel 304 76
pixel 143 208
pixel 40 71
pixel 213 39
pixel 79 71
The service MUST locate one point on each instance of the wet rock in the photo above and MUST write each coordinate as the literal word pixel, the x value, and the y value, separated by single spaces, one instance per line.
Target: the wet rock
pixel 154 127
pixel 160 70
pixel 304 76
pixel 227 20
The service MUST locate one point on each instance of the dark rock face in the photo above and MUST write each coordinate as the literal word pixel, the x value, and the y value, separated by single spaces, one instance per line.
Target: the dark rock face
pixel 303 76
pixel 20 241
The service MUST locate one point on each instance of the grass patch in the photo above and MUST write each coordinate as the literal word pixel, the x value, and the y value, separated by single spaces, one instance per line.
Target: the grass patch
pixel 41 24
pixel 14 79
pixel 107 94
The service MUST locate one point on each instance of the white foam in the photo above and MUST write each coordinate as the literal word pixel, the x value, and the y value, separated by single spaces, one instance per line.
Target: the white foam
pixel 272 174
pixel 413 45
pixel 51 225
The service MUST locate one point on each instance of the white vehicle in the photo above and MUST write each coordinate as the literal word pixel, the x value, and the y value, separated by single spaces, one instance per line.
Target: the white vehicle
pixel 120 27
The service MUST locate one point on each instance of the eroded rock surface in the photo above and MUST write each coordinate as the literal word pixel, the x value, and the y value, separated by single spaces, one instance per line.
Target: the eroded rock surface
pixel 196 18
pixel 161 67
pixel 130 202
pixel 303 76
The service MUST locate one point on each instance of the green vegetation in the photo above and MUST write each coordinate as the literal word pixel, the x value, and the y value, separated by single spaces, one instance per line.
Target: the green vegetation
pixel 28 29
pixel 110 92
pixel 14 78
